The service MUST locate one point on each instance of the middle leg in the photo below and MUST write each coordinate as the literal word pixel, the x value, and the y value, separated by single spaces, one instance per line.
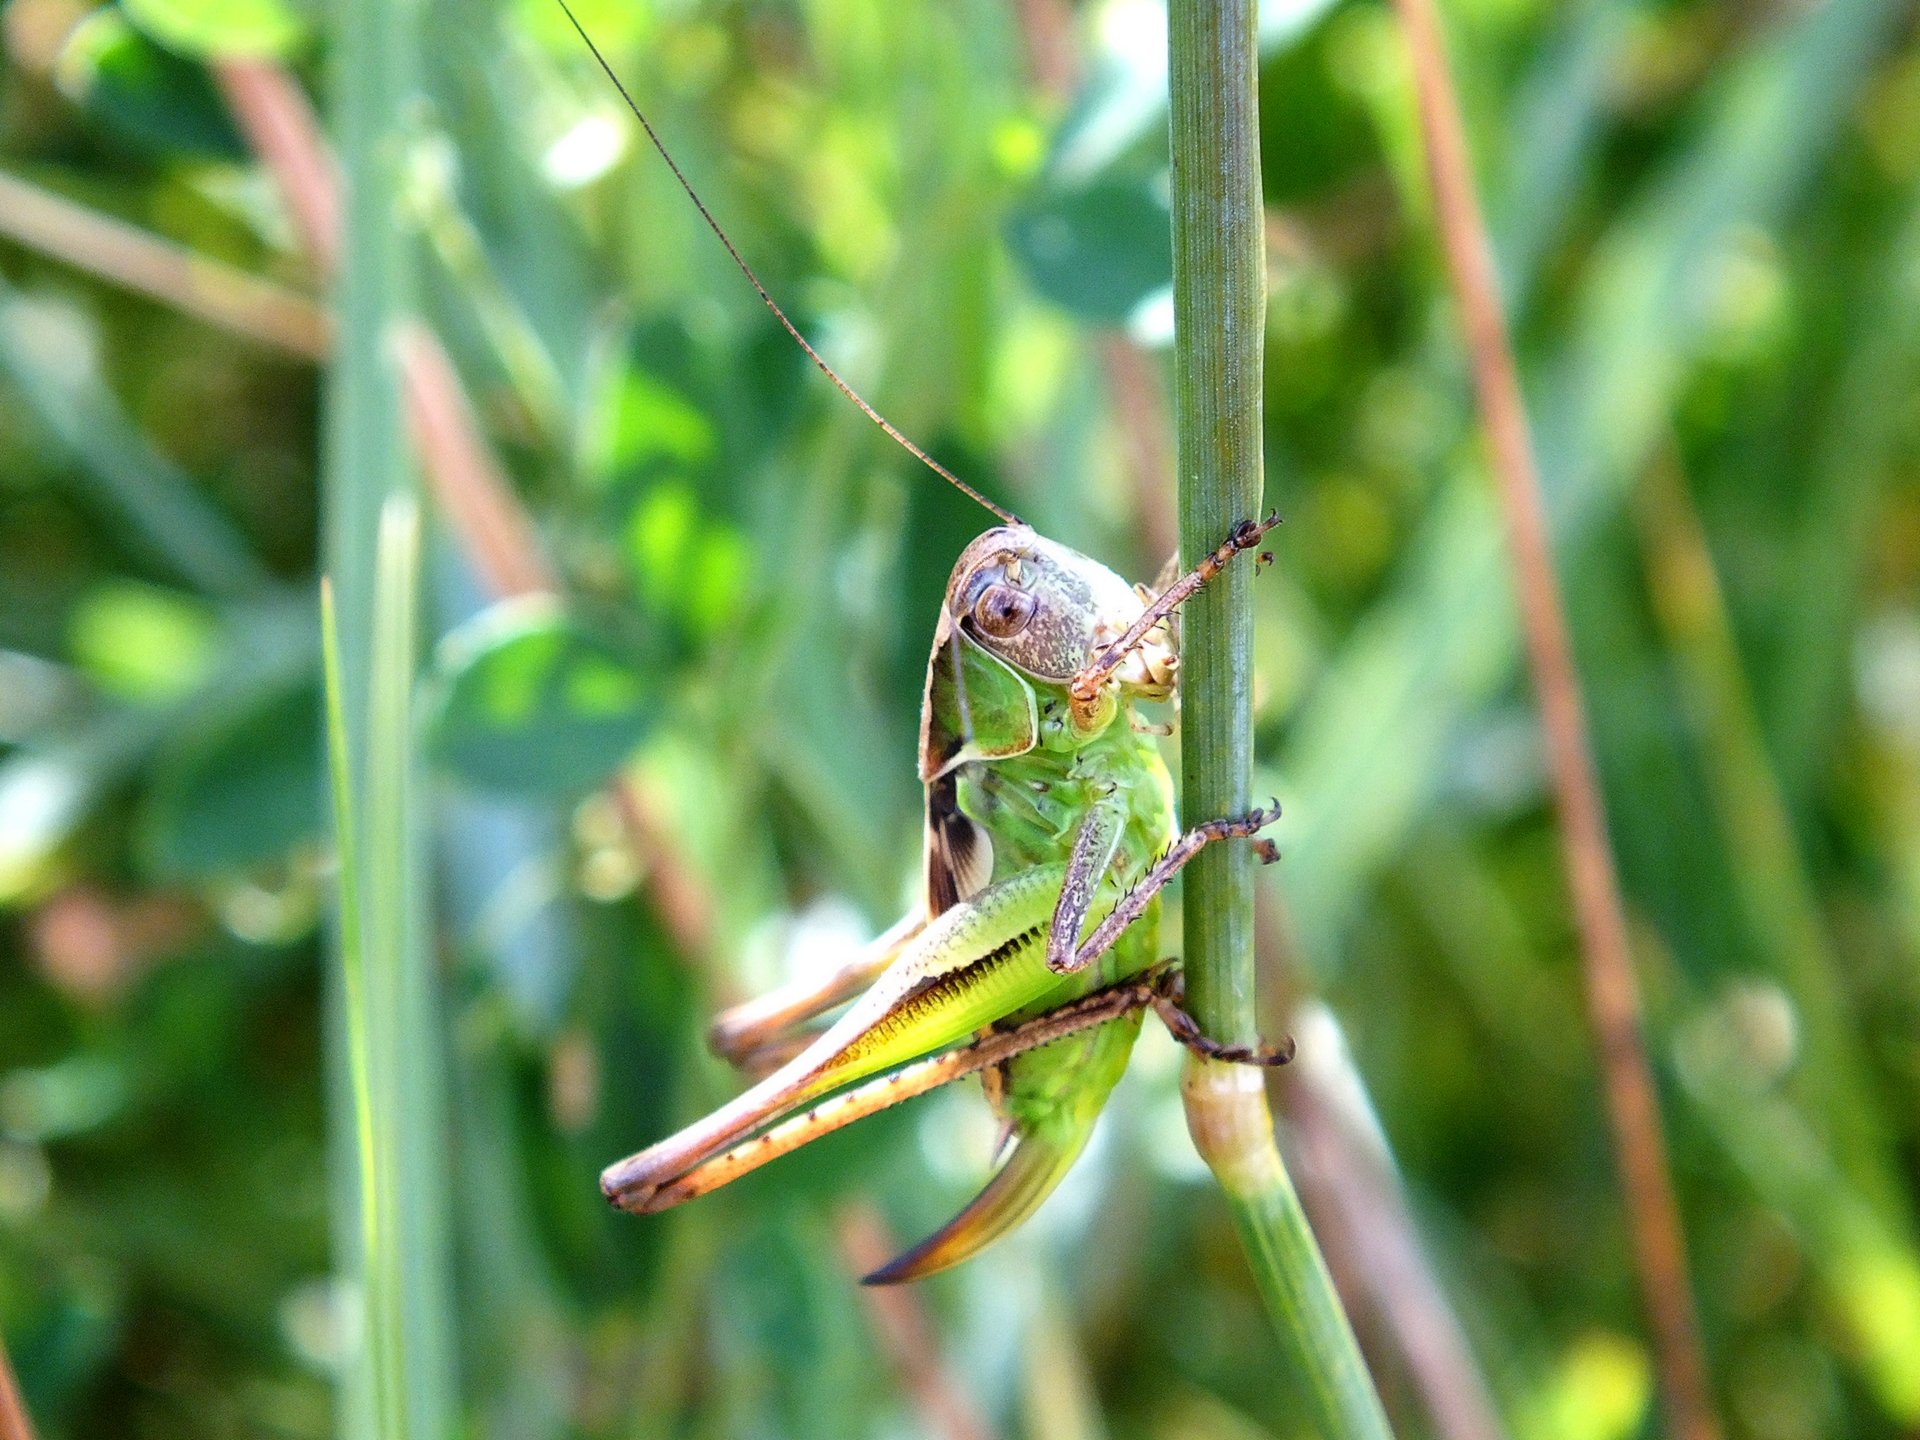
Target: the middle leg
pixel 1135 901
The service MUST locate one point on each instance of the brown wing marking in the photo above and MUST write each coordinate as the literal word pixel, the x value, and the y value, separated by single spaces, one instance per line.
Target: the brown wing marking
pixel 959 854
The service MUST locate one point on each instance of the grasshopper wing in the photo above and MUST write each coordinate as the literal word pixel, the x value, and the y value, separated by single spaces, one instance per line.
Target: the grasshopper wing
pixel 975 708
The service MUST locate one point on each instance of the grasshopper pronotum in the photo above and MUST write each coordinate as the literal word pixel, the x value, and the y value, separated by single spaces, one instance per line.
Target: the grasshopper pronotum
pixel 1050 832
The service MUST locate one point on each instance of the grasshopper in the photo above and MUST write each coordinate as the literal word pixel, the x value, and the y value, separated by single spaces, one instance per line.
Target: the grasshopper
pixel 1050 832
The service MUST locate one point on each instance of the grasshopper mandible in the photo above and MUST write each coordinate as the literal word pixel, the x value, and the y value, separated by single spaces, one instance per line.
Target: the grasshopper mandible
pixel 1050 832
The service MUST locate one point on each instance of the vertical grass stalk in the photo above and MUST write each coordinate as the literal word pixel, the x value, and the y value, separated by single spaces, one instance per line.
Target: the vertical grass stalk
pixel 388 1009
pixel 1220 311
pixel 379 1320
pixel 390 1140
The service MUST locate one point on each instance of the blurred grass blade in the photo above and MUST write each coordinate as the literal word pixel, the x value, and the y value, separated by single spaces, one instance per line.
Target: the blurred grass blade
pixel 1560 114
pixel 401 1380
pixel 1366 759
pixel 381 1322
pixel 1859 441
pixel 1359 1199
pixel 166 516
pixel 390 1013
pixel 399 1023
pixel 1842 1217
pixel 1612 984
pixel 1782 905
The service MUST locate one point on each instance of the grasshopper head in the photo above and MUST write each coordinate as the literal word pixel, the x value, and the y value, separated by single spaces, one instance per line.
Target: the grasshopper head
pixel 1047 610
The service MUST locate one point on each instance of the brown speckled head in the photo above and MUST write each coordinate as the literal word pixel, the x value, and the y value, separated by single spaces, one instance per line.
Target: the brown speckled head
pixel 1046 609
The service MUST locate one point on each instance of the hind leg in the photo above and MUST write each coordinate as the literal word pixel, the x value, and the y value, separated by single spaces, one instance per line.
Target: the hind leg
pixel 750 1034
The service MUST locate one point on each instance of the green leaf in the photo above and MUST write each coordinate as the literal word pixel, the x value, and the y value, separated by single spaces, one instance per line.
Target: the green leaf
pixel 1096 250
pixel 685 564
pixel 531 703
pixel 644 419
pixel 239 792
pixel 145 93
pixel 220 29
pixel 141 642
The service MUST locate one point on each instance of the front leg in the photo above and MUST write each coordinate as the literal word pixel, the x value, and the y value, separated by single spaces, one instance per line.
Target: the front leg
pixel 1093 676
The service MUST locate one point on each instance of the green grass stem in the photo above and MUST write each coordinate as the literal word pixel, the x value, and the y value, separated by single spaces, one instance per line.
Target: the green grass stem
pixel 381 1318
pixel 1220 309
pixel 391 1137
pixel 389 1009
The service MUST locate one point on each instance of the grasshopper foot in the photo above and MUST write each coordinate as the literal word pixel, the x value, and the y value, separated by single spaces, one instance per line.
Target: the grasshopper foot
pixel 1243 827
pixel 1243 537
pixel 1248 532
pixel 1169 990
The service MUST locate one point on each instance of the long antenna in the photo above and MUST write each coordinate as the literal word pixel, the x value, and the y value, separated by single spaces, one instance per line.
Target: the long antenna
pixel 754 280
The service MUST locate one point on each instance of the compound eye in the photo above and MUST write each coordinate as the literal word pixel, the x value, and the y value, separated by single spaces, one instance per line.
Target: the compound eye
pixel 1002 611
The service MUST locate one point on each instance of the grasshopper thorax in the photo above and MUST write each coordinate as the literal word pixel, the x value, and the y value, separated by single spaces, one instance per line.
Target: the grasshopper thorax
pixel 1047 610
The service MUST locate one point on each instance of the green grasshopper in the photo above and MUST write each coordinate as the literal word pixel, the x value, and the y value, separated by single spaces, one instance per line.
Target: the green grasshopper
pixel 1050 832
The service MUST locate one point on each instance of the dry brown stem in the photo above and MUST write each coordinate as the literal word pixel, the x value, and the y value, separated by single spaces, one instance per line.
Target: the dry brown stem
pixel 1140 404
pixel 281 127
pixel 1360 1213
pixel 1613 1000
pixel 900 1325
pixel 1053 61
pixel 128 256
pixel 496 534
pixel 1359 1210
pixel 14 1421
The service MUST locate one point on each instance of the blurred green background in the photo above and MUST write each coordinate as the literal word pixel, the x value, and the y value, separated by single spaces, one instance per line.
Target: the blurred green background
pixel 1705 216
